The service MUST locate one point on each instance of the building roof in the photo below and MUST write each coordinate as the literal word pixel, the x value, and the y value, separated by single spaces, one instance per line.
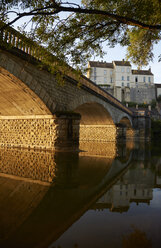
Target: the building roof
pixel 100 64
pixel 122 63
pixel 142 72
pixel 158 85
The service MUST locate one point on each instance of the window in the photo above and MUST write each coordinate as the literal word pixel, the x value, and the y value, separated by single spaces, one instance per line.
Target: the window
pixel 110 73
pixel 94 70
pixel 122 78
pixel 105 72
pixel 128 78
pixel 105 80
pixel 144 79
pixel 149 79
pixel 136 79
pixel 128 85
pixel 111 80
pixel 128 69
pixel 94 78
pixel 122 84
pixel 122 69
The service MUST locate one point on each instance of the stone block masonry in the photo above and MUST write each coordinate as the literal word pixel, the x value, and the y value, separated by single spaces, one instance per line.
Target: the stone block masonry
pixel 40 132
pixel 28 131
pixel 98 133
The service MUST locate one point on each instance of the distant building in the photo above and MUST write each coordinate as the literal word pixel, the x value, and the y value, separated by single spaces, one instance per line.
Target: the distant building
pixel 158 89
pixel 122 82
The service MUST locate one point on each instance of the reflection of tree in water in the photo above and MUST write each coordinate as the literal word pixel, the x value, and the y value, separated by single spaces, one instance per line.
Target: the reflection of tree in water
pixel 136 239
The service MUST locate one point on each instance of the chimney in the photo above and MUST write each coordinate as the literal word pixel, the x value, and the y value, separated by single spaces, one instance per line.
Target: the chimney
pixel 150 69
pixel 136 106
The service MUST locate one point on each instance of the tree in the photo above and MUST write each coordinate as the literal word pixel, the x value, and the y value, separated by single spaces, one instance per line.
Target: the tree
pixel 81 33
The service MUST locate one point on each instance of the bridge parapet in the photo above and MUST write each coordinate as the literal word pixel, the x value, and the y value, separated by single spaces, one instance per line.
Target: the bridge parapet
pixel 11 38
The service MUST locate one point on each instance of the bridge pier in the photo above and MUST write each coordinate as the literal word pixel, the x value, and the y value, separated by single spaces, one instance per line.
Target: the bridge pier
pixel 142 126
pixel 67 134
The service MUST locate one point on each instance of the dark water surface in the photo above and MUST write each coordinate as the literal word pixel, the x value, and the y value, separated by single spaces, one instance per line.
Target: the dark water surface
pixel 107 195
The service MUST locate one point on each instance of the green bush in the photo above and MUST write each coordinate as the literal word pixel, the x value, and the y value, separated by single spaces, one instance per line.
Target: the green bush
pixel 159 98
pixel 141 105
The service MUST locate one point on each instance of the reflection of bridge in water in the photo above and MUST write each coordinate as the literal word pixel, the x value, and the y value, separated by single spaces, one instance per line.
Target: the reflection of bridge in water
pixel 36 211
pixel 42 194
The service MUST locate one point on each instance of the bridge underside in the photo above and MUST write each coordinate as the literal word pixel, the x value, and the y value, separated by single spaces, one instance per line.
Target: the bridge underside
pixel 16 99
pixel 96 123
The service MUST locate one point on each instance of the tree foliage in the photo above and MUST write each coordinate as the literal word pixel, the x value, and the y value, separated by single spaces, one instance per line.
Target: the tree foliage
pixel 74 32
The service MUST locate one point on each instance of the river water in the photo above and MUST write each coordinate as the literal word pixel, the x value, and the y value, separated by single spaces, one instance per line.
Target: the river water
pixel 106 195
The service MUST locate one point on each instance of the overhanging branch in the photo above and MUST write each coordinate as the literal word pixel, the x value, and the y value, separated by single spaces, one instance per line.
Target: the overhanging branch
pixel 55 8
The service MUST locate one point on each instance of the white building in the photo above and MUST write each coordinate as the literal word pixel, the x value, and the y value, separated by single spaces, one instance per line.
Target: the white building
pixel 121 81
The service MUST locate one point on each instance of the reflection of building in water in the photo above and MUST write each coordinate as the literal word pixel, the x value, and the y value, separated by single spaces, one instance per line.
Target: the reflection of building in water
pixel 158 181
pixel 158 174
pixel 135 186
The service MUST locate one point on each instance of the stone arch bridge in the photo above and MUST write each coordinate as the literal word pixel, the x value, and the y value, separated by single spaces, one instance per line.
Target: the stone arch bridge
pixel 37 112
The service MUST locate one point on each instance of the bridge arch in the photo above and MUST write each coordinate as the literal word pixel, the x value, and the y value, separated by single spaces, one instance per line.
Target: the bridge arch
pixel 93 113
pixel 30 75
pixel 125 128
pixel 16 99
pixel 91 99
pixel 126 121
pixel 96 123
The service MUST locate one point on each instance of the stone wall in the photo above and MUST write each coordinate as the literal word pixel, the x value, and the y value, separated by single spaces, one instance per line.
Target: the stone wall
pixel 28 132
pixel 97 133
pixel 143 94
pixel 40 132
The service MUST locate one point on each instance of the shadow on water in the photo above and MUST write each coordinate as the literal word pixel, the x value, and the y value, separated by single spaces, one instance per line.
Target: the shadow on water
pixel 43 193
